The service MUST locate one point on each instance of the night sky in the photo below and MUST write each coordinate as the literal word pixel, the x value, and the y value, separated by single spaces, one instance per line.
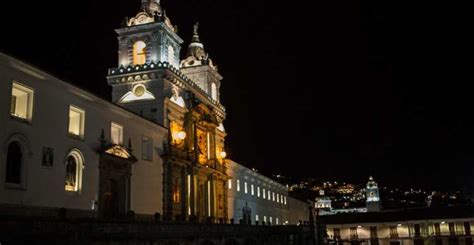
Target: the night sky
pixel 326 89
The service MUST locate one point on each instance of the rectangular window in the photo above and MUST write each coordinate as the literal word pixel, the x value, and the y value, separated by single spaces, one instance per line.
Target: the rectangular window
pixel 256 217
pixel 21 102
pixel 116 134
pixel 452 231
pixel 252 190
pixel 230 184
pixel 276 220
pixel 258 191
pixel 147 148
pixel 373 232
pixel 269 197
pixel 76 121
pixel 337 233
pixel 238 185
pixel 278 198
pixel 271 220
pixel 264 193
pixel 265 219
pixel 285 200
pixel 467 228
pixel 273 194
pixel 393 232
pixel 245 186
pixel 437 229
pixel 353 233
pixel 417 230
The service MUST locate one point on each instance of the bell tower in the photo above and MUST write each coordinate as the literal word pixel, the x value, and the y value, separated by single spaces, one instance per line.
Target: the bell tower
pixel 183 96
pixel 149 37
pixel 199 67
pixel 148 46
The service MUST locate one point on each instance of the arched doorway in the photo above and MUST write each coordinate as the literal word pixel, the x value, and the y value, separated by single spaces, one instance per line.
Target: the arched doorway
pixel 14 163
pixel 114 189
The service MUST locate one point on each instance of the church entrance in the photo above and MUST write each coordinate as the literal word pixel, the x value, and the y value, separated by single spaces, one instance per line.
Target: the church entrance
pixel 111 202
pixel 115 168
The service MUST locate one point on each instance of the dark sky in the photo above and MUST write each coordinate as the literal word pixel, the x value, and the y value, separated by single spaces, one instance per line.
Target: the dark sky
pixel 324 89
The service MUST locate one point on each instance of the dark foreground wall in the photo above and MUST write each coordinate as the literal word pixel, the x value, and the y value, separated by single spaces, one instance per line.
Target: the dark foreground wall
pixel 28 230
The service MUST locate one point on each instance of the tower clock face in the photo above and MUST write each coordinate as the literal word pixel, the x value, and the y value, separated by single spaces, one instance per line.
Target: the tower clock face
pixel 139 90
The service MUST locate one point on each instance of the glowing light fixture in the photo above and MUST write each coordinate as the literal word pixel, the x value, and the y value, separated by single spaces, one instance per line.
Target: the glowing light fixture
pixel 181 135
pixel 223 154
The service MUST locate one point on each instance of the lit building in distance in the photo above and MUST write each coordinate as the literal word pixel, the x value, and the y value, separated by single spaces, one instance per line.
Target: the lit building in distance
pixel 323 201
pixel 373 196
pixel 448 226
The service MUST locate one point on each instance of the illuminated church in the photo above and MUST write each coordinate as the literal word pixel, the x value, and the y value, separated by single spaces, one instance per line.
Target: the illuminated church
pixel 159 147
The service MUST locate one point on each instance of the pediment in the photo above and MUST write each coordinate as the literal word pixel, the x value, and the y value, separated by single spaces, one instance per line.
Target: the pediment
pixel 120 152
pixel 206 114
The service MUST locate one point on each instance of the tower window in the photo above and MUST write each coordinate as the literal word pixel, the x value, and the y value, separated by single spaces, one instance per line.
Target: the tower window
pixel 21 102
pixel 74 163
pixel 76 121
pixel 214 91
pixel 147 148
pixel 14 162
pixel 171 58
pixel 116 133
pixel 139 53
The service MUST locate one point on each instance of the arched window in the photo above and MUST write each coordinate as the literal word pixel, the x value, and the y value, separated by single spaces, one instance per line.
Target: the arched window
pixel 74 163
pixel 171 57
pixel 14 162
pixel 139 53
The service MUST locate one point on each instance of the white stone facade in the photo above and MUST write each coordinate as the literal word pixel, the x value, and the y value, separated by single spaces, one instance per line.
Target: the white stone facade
pixel 268 200
pixel 44 186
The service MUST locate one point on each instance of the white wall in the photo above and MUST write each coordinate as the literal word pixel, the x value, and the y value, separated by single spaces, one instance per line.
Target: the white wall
pixel 44 186
pixel 299 210
pixel 260 206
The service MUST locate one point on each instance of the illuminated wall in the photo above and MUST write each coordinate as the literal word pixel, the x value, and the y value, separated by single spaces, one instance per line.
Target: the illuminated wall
pixel 262 208
pixel 65 118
